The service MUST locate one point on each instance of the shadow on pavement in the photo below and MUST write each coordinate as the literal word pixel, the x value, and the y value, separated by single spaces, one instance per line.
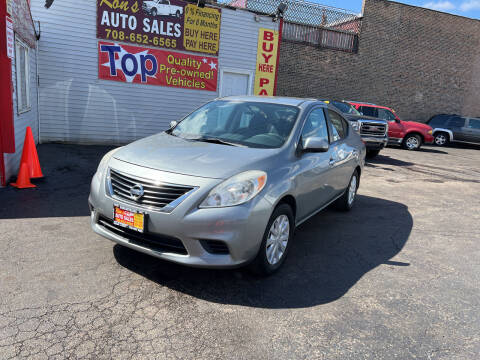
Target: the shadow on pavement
pixel 386 160
pixel 331 252
pixel 63 192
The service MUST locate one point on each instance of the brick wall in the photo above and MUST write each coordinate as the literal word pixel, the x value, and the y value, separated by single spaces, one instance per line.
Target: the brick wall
pixel 418 61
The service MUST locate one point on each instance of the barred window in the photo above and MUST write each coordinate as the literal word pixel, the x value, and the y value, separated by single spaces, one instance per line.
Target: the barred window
pixel 22 72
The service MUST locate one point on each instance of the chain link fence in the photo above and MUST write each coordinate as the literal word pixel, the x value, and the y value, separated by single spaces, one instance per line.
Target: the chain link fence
pixel 310 23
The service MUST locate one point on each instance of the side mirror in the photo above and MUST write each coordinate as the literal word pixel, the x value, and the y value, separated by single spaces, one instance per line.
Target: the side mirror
pixel 315 144
pixel 173 124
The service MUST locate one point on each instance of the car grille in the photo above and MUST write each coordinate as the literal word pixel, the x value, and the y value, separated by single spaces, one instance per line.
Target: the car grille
pixel 372 129
pixel 159 243
pixel 155 195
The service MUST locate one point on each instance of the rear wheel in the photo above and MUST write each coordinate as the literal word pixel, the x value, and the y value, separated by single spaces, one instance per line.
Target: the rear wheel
pixel 154 12
pixel 276 241
pixel 178 13
pixel 372 153
pixel 441 139
pixel 345 203
pixel 412 142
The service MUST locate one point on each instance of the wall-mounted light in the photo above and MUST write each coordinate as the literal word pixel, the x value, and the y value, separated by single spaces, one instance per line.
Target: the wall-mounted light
pixel 281 9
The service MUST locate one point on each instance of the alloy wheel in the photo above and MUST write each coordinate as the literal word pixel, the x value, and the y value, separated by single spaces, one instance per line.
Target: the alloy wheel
pixel 352 190
pixel 412 143
pixel 277 239
pixel 440 139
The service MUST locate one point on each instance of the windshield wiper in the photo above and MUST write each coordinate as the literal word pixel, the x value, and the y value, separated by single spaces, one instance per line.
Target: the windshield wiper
pixel 215 140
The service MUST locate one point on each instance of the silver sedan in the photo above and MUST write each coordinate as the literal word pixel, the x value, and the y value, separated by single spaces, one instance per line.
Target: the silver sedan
pixel 227 185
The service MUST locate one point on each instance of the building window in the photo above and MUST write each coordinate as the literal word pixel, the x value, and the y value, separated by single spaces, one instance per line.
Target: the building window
pixel 22 72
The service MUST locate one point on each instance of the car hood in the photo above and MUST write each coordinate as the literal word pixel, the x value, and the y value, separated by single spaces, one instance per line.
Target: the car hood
pixel 417 125
pixel 173 154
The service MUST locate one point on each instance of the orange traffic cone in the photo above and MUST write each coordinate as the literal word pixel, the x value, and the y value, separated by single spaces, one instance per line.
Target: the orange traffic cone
pixel 30 156
pixel 23 179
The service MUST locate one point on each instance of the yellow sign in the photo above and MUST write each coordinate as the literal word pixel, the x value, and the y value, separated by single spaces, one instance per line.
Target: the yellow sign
pixel 265 74
pixel 202 29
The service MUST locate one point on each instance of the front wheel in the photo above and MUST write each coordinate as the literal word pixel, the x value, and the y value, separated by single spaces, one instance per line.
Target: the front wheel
pixel 154 12
pixel 412 142
pixel 276 241
pixel 441 139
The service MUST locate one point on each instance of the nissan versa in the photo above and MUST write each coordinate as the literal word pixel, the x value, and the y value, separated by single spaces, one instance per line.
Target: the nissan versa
pixel 227 185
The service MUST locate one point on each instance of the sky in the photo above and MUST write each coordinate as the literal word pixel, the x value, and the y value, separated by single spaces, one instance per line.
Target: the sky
pixel 468 8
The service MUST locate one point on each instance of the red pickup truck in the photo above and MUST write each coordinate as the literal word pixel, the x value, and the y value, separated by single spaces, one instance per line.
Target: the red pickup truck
pixel 409 134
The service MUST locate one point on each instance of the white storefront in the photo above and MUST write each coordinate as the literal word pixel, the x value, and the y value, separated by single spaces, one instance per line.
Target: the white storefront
pixel 76 106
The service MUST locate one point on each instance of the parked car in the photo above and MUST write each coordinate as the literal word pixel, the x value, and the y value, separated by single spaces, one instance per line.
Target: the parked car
pixel 162 7
pixel 374 132
pixel 228 184
pixel 409 134
pixel 455 128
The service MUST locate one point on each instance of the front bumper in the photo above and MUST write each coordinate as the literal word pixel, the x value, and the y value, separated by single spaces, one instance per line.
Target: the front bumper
pixel 428 139
pixel 374 143
pixel 239 228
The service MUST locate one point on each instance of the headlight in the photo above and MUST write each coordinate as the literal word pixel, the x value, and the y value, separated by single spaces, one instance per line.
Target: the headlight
pixel 430 132
pixel 355 125
pixel 237 190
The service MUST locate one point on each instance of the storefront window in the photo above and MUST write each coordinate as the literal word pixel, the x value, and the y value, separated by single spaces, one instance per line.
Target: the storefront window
pixel 22 70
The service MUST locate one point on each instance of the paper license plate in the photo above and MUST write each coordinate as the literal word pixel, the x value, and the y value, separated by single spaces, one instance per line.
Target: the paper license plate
pixel 129 219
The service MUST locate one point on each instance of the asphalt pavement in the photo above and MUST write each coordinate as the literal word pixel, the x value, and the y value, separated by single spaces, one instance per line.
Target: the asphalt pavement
pixel 395 278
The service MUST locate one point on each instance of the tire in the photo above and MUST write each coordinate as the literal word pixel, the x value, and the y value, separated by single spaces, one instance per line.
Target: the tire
pixel 346 202
pixel 372 153
pixel 154 12
pixel 178 13
pixel 264 264
pixel 441 139
pixel 412 142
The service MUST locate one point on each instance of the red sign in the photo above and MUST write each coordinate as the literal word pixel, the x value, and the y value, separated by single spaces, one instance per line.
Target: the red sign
pixel 140 65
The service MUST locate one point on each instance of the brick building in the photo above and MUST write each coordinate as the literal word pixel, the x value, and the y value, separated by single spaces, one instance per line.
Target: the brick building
pixel 420 62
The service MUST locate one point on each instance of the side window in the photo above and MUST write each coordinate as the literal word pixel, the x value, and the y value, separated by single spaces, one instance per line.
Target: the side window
pixel 315 125
pixel 368 111
pixel 22 72
pixel 339 127
pixel 474 124
pixel 456 122
pixel 386 114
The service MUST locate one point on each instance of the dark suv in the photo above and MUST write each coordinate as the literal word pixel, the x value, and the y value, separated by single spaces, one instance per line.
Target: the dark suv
pixel 454 128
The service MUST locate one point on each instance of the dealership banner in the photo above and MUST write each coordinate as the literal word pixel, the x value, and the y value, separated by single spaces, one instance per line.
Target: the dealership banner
pixel 172 24
pixel 140 65
pixel 265 73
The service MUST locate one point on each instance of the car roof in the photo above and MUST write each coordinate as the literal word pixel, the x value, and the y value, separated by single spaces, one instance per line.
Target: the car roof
pixel 284 100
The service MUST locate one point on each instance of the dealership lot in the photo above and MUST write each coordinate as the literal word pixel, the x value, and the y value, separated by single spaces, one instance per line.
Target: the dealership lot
pixel 398 277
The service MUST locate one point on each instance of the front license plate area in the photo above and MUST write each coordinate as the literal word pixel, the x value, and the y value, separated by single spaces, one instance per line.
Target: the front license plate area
pixel 129 218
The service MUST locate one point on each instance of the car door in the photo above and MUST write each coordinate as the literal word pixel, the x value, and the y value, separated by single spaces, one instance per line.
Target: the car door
pixel 395 129
pixel 163 7
pixel 342 161
pixel 313 175
pixel 457 125
pixel 472 131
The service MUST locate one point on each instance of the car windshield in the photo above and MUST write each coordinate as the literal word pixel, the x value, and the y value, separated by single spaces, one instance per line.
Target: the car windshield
pixel 251 124
pixel 346 108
